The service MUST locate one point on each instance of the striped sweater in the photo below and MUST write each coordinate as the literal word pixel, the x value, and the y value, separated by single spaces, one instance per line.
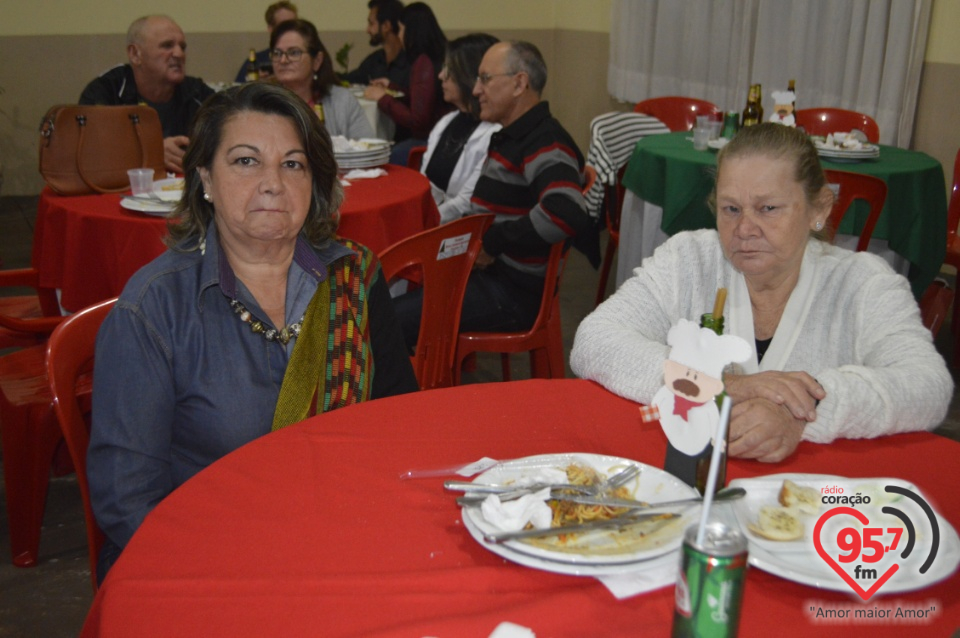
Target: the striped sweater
pixel 531 181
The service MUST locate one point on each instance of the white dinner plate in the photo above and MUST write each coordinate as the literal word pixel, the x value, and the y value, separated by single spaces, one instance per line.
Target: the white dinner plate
pixel 799 560
pixel 559 566
pixel 718 143
pixel 150 207
pixel 599 547
pixel 169 190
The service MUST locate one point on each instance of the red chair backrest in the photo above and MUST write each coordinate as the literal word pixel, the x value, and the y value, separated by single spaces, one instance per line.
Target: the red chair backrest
pixel 415 158
pixel 589 178
pixel 853 186
pixel 444 282
pixel 823 121
pixel 678 113
pixel 953 212
pixel 70 354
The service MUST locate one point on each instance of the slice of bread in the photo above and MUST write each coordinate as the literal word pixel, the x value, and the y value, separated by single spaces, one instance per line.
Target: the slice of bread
pixel 777 524
pixel 805 499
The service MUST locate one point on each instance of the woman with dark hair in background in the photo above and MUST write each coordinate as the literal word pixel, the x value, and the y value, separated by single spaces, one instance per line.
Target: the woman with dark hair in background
pixel 301 63
pixel 422 105
pixel 458 143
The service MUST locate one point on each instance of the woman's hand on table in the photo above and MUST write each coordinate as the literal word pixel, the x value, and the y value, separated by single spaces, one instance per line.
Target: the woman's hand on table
pixel 763 430
pixel 174 149
pixel 383 82
pixel 798 392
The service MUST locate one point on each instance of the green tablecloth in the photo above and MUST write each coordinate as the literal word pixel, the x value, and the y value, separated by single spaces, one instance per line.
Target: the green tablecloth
pixel 665 170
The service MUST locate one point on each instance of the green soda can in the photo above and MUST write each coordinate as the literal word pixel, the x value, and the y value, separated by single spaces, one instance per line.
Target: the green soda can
pixel 710 585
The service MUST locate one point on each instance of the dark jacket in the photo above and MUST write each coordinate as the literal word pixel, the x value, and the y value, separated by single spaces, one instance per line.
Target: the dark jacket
pixel 117 87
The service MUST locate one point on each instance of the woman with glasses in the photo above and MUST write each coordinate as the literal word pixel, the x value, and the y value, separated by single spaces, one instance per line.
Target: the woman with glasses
pixel 301 63
pixel 458 143
pixel 422 105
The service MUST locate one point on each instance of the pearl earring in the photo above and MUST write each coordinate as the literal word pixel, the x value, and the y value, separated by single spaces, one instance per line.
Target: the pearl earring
pixel 207 197
pixel 819 225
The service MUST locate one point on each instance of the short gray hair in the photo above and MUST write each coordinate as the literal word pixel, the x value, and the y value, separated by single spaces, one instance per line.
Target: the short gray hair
pixel 135 30
pixel 526 57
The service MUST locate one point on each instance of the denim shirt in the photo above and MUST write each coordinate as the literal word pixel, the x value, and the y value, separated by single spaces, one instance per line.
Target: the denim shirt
pixel 180 380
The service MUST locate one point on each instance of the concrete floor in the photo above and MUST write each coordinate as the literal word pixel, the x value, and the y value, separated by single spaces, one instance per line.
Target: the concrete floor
pixel 52 599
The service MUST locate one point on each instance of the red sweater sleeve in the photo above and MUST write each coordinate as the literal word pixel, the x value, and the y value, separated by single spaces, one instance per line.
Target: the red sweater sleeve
pixel 419 116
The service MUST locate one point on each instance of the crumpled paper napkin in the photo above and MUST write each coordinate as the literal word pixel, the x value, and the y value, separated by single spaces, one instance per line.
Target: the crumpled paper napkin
pixel 512 516
pixel 364 173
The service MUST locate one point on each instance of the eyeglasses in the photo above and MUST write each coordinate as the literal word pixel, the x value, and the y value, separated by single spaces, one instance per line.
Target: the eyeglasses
pixel 293 55
pixel 484 78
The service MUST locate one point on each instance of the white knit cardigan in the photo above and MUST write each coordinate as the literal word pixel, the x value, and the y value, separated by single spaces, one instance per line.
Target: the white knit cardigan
pixel 851 322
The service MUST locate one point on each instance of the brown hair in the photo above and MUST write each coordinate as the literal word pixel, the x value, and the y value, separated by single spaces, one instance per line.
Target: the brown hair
pixel 271 11
pixel 775 140
pixel 324 77
pixel 193 214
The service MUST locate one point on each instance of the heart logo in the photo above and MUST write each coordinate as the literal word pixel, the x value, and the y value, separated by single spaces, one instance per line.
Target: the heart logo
pixel 860 516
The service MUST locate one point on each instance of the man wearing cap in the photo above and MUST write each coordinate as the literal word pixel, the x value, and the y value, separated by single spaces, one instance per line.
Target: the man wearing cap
pixel 155 76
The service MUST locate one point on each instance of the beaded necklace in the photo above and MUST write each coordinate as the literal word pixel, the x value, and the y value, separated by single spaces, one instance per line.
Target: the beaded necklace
pixel 258 327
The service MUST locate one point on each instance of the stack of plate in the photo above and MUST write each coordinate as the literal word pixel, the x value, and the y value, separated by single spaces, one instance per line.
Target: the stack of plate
pixel 866 152
pixel 363 153
pixel 596 554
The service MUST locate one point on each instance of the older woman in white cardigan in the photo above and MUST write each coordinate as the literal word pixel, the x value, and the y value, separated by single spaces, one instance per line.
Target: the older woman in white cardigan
pixel 840 351
pixel 457 146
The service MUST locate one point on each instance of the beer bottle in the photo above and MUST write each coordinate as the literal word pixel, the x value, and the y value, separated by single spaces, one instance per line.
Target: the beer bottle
pixel 707 320
pixel 751 113
pixel 759 103
pixel 252 73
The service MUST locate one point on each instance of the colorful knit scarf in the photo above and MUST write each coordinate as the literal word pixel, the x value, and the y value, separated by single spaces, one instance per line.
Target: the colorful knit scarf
pixel 331 365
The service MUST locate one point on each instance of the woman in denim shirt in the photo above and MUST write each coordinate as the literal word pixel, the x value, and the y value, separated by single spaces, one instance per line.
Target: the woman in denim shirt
pixel 255 318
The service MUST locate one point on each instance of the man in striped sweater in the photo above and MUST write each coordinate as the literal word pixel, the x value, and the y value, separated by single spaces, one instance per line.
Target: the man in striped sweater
pixel 531 180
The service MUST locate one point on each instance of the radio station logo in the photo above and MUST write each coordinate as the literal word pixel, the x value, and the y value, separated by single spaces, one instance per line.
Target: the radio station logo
pixel 866 545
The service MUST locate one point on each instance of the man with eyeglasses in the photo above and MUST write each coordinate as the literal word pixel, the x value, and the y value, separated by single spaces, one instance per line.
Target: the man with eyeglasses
pixel 156 76
pixel 390 61
pixel 531 179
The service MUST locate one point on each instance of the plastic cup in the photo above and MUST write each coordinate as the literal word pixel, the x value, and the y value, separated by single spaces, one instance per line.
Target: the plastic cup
pixel 703 121
pixel 141 180
pixel 715 128
pixel 700 138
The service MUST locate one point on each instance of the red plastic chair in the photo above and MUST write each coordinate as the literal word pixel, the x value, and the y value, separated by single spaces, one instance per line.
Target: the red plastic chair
pixel 825 120
pixel 70 364
pixel 444 282
pixel 589 177
pixel 953 250
pixel 544 340
pixel 26 320
pixel 415 158
pixel 29 435
pixel 857 186
pixel 934 306
pixel 678 113
pixel 611 209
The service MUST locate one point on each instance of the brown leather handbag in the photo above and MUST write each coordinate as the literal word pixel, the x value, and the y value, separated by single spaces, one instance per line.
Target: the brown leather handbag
pixel 88 149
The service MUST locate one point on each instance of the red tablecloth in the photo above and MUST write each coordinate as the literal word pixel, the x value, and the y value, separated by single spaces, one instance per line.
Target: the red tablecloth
pixel 310 531
pixel 89 246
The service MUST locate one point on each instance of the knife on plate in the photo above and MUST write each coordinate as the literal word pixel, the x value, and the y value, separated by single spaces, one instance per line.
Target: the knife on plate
pixel 612 523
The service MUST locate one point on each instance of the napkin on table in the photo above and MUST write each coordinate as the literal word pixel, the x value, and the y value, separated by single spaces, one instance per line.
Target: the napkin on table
pixel 364 173
pixel 514 515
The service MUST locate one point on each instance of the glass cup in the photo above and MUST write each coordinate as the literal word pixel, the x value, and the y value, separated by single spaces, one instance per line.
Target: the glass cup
pixel 703 121
pixel 715 127
pixel 141 180
pixel 700 138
